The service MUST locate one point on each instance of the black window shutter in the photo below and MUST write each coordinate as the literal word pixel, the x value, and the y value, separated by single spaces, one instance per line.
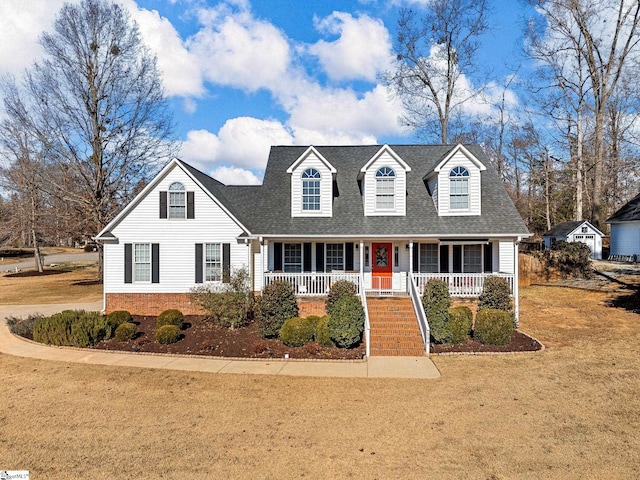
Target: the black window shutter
pixel 348 256
pixel 163 204
pixel 199 263
pixel 319 257
pixel 226 262
pixel 190 205
pixel 155 263
pixel 128 263
pixel 277 256
pixel 416 257
pixel 457 259
pixel 306 256
pixel 444 258
pixel 488 257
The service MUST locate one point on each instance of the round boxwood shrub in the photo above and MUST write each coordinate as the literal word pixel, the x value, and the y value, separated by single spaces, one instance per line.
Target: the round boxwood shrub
pixel 170 317
pixel 322 332
pixel 276 305
pixel 436 302
pixel 118 317
pixel 339 289
pixel 496 295
pixel 167 334
pixel 346 322
pixel 125 331
pixel 460 321
pixel 493 327
pixel 296 331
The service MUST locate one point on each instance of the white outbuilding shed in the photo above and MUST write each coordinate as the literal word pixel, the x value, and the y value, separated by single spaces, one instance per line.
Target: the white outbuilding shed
pixel 576 231
pixel 625 230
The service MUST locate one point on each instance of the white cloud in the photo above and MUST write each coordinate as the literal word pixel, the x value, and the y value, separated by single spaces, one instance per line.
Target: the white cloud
pixel 362 51
pixel 235 176
pixel 238 50
pixel 201 147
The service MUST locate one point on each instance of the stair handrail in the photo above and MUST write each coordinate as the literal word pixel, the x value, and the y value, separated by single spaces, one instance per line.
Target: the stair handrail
pixel 367 326
pixel 420 313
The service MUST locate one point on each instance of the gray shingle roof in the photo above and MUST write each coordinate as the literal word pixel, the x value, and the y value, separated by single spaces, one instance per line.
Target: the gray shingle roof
pixel 629 212
pixel 563 229
pixel 266 209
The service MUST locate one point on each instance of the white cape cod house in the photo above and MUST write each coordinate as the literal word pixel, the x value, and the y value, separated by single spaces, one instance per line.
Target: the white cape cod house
pixel 386 217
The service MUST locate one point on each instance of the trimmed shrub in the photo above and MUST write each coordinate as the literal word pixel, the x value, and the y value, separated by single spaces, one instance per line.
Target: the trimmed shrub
pixel 460 321
pixel 346 322
pixel 23 327
pixel 496 295
pixel 339 289
pixel 276 305
pixel 436 302
pixel 74 328
pixel 322 332
pixel 126 331
pixel 229 304
pixel 170 317
pixel 167 334
pixel 119 317
pixel 570 258
pixel 493 327
pixel 296 331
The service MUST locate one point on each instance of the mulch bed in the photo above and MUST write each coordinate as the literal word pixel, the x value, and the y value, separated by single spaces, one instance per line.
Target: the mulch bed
pixel 519 343
pixel 201 337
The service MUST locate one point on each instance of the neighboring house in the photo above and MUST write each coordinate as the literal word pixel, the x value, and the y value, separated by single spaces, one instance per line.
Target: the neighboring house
pixel 387 218
pixel 625 230
pixel 576 231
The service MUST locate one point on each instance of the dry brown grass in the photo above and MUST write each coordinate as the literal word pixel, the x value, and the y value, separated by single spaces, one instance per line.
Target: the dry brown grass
pixel 572 411
pixel 77 285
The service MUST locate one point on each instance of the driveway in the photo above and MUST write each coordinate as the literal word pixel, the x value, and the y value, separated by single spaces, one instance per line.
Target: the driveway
pixel 51 259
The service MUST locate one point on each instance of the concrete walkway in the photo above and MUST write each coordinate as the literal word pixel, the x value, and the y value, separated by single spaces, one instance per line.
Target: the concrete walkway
pixel 373 367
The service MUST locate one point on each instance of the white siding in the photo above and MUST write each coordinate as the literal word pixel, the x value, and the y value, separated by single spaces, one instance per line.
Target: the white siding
pixel 326 188
pixel 177 239
pixel 506 256
pixel 400 185
pixel 432 184
pixel 459 160
pixel 625 238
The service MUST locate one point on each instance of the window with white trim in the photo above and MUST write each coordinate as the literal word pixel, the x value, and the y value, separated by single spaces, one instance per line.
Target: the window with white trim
pixel 458 188
pixel 385 189
pixel 142 262
pixel 177 201
pixel 429 257
pixel 472 258
pixel 334 258
pixel 311 190
pixel 292 257
pixel 212 262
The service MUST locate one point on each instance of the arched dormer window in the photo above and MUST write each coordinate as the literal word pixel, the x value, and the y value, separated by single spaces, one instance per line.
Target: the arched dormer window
pixel 177 200
pixel 458 188
pixel 385 189
pixel 311 190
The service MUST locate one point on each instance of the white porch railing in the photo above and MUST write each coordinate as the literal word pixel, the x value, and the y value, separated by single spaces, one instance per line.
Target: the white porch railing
pixel 416 299
pixel 309 284
pixel 367 325
pixel 460 284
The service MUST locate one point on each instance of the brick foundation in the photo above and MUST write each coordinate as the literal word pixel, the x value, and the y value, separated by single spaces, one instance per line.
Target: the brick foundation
pixel 151 303
pixel 311 306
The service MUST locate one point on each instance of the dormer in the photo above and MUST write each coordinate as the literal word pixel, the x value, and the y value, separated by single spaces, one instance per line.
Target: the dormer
pixel 312 179
pixel 455 183
pixel 384 184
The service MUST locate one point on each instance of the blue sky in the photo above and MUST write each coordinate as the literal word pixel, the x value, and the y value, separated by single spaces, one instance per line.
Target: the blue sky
pixel 242 75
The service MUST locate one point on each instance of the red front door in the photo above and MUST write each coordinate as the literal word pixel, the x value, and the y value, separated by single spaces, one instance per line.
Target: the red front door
pixel 382 266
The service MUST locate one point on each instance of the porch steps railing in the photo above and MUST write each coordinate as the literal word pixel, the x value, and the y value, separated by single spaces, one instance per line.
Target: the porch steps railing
pixel 394 328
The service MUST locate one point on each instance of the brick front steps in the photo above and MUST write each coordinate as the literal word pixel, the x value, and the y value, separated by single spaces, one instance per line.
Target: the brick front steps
pixel 394 328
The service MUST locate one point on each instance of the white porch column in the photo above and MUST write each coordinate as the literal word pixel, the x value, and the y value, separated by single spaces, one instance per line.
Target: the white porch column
pixel 516 295
pixel 411 266
pixel 263 259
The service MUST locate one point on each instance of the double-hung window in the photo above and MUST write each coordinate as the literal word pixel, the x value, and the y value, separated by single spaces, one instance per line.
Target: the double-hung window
pixel 385 189
pixel 458 188
pixel 292 257
pixel 177 201
pixel 142 262
pixel 212 262
pixel 311 190
pixel 472 258
pixel 335 256
pixel 429 257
